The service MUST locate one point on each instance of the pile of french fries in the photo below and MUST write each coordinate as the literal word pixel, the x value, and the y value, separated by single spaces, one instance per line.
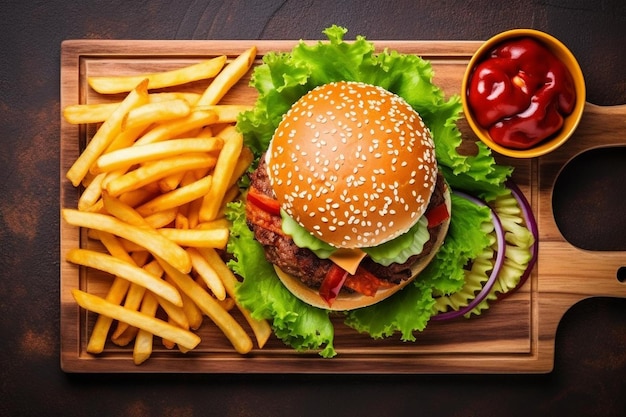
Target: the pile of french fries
pixel 156 177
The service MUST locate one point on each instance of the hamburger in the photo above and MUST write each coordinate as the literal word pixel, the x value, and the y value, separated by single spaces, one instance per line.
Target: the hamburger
pixel 348 201
pixel 297 237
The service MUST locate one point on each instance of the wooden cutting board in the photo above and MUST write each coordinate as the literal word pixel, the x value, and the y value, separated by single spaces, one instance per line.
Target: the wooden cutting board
pixel 515 336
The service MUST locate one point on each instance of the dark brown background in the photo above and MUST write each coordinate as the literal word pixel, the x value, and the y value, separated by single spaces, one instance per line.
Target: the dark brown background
pixel 590 364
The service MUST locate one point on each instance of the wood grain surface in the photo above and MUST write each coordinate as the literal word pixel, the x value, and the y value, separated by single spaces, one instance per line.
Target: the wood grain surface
pixel 514 336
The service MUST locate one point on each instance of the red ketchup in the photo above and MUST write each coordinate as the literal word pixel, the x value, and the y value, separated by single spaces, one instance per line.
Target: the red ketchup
pixel 521 93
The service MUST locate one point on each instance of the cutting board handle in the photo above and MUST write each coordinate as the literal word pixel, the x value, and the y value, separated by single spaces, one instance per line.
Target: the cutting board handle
pixel 600 119
pixel 566 273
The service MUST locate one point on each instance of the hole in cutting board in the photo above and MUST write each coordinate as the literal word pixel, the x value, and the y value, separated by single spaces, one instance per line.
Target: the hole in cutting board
pixel 589 199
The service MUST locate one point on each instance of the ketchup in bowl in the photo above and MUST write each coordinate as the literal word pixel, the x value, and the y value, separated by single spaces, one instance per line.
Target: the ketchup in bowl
pixel 520 92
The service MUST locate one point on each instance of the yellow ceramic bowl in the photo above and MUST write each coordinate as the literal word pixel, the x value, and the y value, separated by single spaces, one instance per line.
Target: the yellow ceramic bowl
pixel 571 121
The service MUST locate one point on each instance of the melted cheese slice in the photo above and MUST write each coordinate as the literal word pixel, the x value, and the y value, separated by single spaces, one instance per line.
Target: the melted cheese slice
pixel 348 259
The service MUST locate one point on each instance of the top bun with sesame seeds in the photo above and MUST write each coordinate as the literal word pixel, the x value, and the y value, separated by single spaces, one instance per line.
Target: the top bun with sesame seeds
pixel 353 164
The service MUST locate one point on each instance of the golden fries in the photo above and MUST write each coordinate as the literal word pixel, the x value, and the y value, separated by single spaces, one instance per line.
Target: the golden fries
pixel 225 166
pixel 125 270
pixel 134 318
pixel 227 78
pixel 174 128
pixel 261 328
pixel 106 133
pixel 156 175
pixel 208 274
pixel 157 170
pixel 213 238
pixel 202 70
pixel 226 113
pixel 127 157
pixel 177 198
pixel 152 240
pixel 143 341
pixel 211 307
pixel 143 116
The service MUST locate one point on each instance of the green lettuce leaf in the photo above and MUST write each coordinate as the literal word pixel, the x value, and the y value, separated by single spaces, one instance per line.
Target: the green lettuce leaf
pixel 401 248
pixel 465 240
pixel 261 292
pixel 305 239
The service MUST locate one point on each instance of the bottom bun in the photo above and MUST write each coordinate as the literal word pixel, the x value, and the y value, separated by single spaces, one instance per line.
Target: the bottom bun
pixel 350 301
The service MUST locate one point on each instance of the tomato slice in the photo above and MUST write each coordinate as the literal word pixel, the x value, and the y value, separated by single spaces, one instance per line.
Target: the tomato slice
pixel 365 282
pixel 263 202
pixel 437 215
pixel 334 280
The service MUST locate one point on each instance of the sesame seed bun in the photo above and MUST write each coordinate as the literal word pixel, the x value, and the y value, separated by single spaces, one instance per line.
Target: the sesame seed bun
pixel 353 164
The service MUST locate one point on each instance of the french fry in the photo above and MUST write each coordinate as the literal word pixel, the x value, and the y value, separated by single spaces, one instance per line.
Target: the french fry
pixel 145 115
pixel 206 132
pixel 110 176
pixel 116 293
pixel 209 238
pixel 243 163
pixel 92 193
pixel 260 328
pixel 176 198
pixel 191 314
pixel 123 140
pixel 135 296
pixel 174 312
pixel 157 170
pixel 208 274
pixel 173 128
pixel 106 134
pixel 161 219
pixel 126 157
pixel 143 342
pixel 137 319
pixel 230 195
pixel 118 84
pixel 89 113
pixel 224 168
pixel 228 303
pixel 99 112
pixel 213 224
pixel 169 344
pixel 125 337
pixel 147 238
pixel 193 212
pixel 226 113
pixel 181 222
pixel 131 198
pixel 190 177
pixel 132 273
pixel 211 307
pixel 228 77
pixel 122 211
pixel 171 182
pixel 156 176
pixel 189 97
